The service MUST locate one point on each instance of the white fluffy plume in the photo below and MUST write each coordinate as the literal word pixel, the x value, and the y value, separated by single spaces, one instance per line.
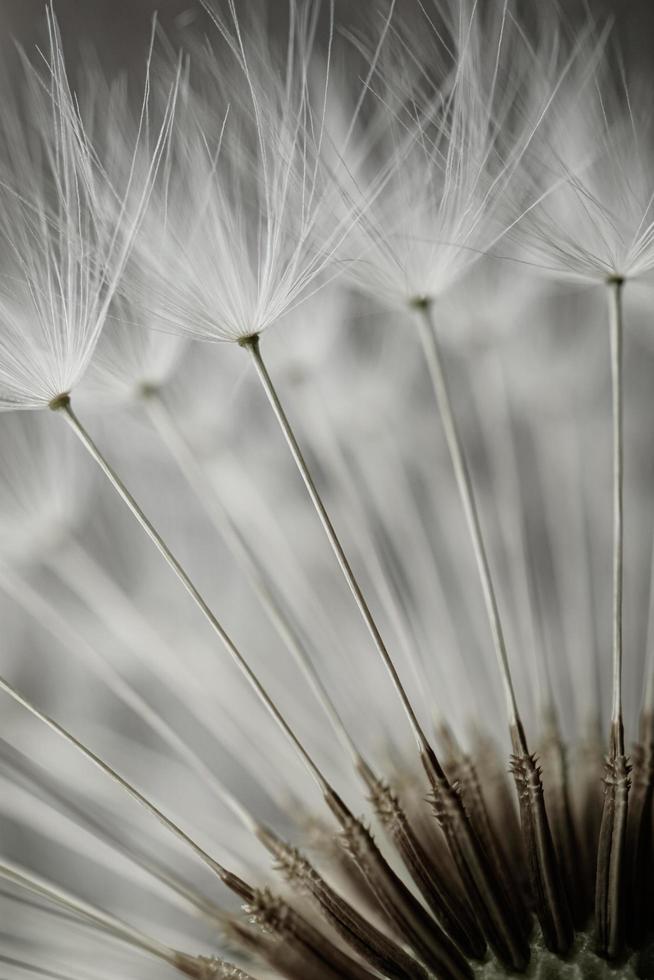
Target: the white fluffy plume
pixel 248 220
pixel 66 232
pixel 437 163
pixel 598 148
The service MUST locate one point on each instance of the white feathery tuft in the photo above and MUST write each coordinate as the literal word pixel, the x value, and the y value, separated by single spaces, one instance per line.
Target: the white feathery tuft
pixel 438 171
pixel 596 149
pixel 66 232
pixel 247 221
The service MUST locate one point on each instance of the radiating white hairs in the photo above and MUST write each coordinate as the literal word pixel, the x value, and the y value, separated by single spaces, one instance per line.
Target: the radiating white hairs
pixel 68 225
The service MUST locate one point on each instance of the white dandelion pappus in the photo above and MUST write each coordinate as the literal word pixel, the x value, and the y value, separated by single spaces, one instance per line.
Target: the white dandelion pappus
pixel 61 258
pixel 597 146
pixel 247 222
pixel 441 161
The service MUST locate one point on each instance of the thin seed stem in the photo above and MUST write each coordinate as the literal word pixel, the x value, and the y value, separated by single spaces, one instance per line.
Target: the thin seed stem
pixel 37 886
pixel 610 911
pixel 362 518
pixel 432 353
pixel 34 970
pixel 165 423
pixel 503 930
pixel 35 780
pixel 500 435
pixel 328 793
pixel 251 344
pixel 284 917
pixel 169 557
pixel 615 320
pixel 93 585
pixel 48 616
pixel 198 967
pixel 104 767
pixel 551 901
pixel 648 678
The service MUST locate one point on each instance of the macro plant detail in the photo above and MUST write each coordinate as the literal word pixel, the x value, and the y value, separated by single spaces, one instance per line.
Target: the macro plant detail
pixel 317 322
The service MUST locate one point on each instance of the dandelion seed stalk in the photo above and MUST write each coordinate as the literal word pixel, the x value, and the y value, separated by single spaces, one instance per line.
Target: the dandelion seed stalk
pixel 251 344
pixel 164 422
pixel 551 901
pixel 432 944
pixel 610 886
pixel 498 918
pixel 108 923
pixel 616 336
pixel 269 910
pixel 433 358
pixel 65 408
pixel 445 904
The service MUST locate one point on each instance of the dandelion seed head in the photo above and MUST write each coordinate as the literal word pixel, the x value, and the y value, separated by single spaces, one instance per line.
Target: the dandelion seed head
pixel 246 221
pixel 67 227
pixel 596 225
pixel 297 764
pixel 451 146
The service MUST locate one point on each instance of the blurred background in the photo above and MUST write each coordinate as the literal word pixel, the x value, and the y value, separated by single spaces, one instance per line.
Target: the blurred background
pixel 120 28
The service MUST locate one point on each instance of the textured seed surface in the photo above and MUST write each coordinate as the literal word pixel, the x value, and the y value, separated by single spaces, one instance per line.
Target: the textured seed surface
pixel 582 964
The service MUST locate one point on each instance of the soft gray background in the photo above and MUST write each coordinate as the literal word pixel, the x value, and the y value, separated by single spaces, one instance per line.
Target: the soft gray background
pixel 119 28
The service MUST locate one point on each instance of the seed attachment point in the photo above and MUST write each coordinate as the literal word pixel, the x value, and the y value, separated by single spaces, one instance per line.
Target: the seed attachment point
pixel 149 389
pixel 61 401
pixel 251 341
